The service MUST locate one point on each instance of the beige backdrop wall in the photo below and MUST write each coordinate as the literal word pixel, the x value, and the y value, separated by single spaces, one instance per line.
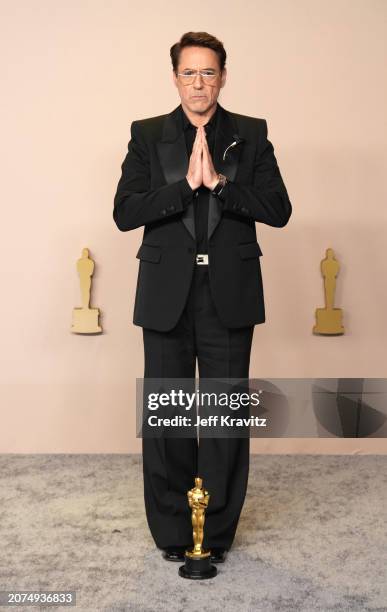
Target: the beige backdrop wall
pixel 75 75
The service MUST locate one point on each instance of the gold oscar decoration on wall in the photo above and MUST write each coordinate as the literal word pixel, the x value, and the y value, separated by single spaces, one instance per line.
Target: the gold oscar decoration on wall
pixel 85 319
pixel 197 564
pixel 329 319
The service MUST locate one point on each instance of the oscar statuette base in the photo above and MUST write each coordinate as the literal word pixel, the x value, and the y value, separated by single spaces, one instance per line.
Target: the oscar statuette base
pixel 197 567
pixel 328 322
pixel 85 321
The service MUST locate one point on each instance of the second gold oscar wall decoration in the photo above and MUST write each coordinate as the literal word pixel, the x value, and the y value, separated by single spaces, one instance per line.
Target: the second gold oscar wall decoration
pixel 85 319
pixel 329 319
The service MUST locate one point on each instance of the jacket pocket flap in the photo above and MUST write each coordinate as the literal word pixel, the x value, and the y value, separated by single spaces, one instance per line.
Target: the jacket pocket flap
pixel 251 249
pixel 149 253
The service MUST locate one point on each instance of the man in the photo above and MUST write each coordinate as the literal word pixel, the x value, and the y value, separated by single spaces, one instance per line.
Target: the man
pixel 198 179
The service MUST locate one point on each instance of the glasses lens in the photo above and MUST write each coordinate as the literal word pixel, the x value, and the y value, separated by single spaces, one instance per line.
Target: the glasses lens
pixel 188 76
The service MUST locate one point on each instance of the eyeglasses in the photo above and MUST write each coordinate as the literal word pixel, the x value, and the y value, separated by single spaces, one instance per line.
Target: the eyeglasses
pixel 188 76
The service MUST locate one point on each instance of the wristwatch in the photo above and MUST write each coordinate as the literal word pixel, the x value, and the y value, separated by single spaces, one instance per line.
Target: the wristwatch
pixel 219 186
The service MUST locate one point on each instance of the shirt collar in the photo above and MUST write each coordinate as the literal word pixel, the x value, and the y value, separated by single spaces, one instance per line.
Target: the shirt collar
pixel 209 125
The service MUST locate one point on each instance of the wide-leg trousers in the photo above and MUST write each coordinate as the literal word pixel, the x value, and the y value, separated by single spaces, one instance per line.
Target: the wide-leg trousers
pixel 171 464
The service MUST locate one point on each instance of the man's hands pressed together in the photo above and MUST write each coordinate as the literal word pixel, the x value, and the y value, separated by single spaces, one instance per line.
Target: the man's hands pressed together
pixel 201 169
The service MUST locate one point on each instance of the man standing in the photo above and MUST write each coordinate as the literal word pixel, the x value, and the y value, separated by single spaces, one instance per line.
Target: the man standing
pixel 198 179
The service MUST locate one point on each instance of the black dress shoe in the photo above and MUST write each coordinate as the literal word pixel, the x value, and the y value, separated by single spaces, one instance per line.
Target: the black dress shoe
pixel 218 555
pixel 174 553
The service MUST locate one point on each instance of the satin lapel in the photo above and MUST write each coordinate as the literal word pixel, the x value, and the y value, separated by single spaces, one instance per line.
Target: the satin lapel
pixel 226 133
pixel 173 157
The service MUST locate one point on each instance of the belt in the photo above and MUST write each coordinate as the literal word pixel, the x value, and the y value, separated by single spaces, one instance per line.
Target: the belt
pixel 202 259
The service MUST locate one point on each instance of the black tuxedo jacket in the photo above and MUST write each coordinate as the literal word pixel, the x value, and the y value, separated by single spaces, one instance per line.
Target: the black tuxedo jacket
pixel 153 192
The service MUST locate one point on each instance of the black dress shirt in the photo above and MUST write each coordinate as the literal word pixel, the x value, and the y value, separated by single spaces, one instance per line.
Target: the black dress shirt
pixel 202 194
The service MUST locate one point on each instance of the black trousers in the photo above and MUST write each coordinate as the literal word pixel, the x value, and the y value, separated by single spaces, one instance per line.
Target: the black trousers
pixel 171 464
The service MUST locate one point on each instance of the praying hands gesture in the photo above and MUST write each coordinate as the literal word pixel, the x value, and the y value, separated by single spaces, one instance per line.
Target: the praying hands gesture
pixel 201 169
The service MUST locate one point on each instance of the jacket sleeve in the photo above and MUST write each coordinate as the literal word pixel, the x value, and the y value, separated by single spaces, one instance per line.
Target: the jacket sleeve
pixel 135 203
pixel 266 200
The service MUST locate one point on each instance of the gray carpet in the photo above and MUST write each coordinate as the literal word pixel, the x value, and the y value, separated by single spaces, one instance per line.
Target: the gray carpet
pixel 312 536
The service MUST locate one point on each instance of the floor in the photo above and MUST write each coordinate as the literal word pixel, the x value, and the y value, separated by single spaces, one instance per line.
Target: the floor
pixel 312 536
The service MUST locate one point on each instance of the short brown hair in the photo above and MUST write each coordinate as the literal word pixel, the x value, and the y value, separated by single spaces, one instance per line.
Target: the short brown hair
pixel 198 39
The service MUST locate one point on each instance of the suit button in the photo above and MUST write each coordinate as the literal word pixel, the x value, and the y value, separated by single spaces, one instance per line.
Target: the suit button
pixel 244 210
pixel 171 207
pixel 235 205
pixel 196 194
pixel 163 212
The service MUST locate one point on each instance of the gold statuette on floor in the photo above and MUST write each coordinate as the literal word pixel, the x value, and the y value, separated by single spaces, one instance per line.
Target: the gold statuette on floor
pixel 197 564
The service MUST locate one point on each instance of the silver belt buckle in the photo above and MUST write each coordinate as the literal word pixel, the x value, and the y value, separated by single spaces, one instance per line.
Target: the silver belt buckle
pixel 202 259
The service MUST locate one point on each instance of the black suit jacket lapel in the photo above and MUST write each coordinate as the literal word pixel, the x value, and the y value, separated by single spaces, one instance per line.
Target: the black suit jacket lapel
pixel 226 134
pixel 174 160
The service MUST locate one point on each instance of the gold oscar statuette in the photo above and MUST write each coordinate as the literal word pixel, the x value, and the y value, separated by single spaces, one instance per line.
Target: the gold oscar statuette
pixel 85 319
pixel 329 319
pixel 197 564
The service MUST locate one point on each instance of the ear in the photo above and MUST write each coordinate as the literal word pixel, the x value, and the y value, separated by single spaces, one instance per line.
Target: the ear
pixel 224 76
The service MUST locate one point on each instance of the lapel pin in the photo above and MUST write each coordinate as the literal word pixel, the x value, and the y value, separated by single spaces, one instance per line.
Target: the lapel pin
pixel 237 140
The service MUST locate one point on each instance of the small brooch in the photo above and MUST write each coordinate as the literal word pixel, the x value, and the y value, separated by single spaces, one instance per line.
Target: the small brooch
pixel 237 140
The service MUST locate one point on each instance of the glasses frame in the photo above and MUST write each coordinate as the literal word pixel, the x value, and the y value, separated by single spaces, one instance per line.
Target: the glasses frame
pixel 182 74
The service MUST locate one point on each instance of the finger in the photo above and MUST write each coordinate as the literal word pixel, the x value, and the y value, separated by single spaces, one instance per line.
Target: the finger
pixel 199 143
pixel 196 148
pixel 205 148
pixel 205 156
pixel 199 136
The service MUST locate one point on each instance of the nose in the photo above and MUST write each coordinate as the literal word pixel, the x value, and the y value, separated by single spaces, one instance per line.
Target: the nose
pixel 198 76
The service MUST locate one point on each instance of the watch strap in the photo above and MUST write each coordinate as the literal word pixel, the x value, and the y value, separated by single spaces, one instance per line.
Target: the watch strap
pixel 219 186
